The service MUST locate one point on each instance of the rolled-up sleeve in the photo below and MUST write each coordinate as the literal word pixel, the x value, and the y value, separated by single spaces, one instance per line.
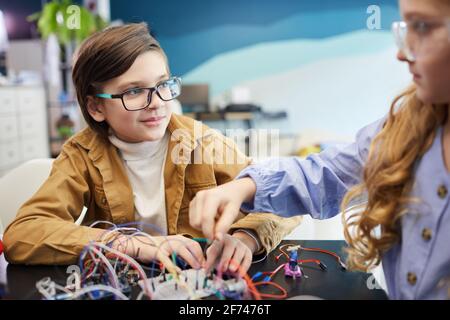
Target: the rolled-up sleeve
pixel 315 185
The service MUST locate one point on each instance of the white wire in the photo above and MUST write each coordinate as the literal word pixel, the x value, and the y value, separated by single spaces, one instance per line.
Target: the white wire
pixel 140 233
pixel 81 217
pixel 102 221
pixel 102 287
pixel 47 288
pixel 117 230
pixel 45 291
pixel 262 259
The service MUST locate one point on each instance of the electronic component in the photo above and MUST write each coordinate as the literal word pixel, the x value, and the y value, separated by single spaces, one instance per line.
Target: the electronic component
pixel 318 262
pixel 291 268
pixel 107 273
pixel 104 272
pixel 193 284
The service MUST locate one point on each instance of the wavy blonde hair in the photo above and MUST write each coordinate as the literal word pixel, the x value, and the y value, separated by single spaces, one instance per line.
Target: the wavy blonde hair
pixel 388 177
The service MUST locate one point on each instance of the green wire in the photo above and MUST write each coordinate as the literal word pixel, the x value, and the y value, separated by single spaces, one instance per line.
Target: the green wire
pixel 174 258
pixel 202 240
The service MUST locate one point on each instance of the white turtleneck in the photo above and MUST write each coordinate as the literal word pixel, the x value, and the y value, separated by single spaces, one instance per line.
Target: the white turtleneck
pixel 144 164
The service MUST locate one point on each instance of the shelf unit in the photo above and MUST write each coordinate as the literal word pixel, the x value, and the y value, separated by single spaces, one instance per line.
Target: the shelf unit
pixel 23 125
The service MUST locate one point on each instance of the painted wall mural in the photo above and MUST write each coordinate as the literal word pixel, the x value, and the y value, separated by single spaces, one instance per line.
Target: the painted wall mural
pixel 330 64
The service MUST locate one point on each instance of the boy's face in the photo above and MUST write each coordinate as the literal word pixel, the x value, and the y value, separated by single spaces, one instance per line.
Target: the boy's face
pixel 150 124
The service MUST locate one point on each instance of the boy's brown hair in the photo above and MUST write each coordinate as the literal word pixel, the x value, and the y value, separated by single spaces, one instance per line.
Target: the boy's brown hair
pixel 105 55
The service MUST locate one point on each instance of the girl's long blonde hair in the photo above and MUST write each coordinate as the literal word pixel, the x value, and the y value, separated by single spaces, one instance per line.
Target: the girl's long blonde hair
pixel 388 177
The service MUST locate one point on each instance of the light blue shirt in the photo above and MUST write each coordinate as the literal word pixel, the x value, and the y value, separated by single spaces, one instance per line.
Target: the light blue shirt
pixel 317 185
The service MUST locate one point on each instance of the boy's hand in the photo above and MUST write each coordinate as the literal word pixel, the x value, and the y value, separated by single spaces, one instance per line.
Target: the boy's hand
pixel 146 249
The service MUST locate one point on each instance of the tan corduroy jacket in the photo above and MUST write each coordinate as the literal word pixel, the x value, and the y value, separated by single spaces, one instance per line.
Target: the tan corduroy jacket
pixel 89 172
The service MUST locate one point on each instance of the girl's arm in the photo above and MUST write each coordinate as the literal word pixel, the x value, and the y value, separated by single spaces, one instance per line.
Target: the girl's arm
pixel 286 187
pixel 315 185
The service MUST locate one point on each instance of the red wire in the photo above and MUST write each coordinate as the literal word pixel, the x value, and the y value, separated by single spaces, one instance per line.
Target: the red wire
pixel 309 249
pixel 283 252
pixel 321 250
pixel 252 287
pixel 309 260
pixel 274 272
pixel 338 258
pixel 283 294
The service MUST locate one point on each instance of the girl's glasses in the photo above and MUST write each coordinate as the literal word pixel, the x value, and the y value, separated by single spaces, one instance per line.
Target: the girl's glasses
pixel 417 38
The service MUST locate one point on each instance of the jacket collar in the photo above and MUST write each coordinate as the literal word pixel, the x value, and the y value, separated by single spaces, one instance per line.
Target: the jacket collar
pixel 185 130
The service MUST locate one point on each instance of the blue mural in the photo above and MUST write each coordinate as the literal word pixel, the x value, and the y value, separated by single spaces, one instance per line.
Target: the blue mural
pixel 194 31
pixel 317 60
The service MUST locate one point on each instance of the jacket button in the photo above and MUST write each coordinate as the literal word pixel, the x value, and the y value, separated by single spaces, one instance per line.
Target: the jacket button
pixel 412 278
pixel 427 234
pixel 442 191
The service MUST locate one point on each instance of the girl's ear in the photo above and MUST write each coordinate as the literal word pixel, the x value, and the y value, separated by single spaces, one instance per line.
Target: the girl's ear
pixel 95 109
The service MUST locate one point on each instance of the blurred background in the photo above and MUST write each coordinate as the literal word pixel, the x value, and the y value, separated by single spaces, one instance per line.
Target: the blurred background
pixel 310 72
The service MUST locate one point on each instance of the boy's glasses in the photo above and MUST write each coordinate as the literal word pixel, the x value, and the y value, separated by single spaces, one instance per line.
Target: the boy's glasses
pixel 419 38
pixel 140 98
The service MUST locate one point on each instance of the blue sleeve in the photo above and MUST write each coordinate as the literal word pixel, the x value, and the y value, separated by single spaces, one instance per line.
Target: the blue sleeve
pixel 315 185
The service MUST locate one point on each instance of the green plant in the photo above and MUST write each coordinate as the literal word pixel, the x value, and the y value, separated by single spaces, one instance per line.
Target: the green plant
pixel 68 21
pixel 71 24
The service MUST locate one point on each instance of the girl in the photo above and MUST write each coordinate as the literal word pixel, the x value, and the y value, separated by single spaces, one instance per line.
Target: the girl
pixel 400 165
pixel 133 164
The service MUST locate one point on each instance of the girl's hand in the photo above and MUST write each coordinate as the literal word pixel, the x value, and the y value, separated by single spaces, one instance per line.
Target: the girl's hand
pixel 222 202
pixel 236 253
